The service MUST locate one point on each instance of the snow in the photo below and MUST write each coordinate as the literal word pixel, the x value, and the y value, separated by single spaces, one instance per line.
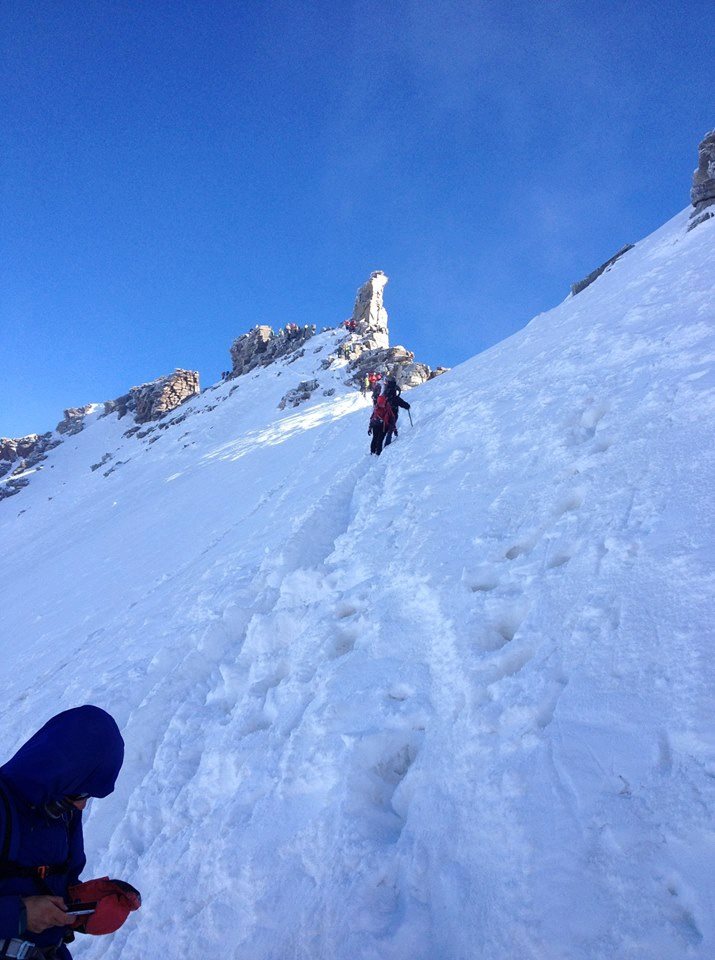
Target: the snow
pixel 453 702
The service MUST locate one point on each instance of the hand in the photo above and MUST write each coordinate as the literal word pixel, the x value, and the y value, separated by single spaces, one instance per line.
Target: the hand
pixel 44 912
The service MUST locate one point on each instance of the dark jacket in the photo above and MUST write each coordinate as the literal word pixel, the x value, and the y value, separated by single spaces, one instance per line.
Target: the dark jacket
pixel 78 751
pixel 396 401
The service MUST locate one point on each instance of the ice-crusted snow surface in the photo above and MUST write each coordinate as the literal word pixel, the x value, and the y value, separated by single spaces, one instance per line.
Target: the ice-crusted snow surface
pixel 453 703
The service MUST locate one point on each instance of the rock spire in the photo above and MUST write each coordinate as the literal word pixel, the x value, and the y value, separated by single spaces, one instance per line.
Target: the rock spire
pixel 369 314
pixel 367 345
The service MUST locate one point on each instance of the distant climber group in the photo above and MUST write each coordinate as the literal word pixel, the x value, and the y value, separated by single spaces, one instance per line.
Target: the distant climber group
pixel 386 403
pixel 292 330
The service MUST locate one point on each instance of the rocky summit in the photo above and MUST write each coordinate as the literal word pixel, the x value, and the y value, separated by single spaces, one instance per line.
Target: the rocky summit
pixel 364 347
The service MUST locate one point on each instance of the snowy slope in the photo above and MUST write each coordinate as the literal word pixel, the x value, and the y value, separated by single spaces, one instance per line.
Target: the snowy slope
pixel 452 703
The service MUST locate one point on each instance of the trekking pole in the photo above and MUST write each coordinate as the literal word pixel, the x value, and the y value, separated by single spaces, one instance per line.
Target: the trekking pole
pixel 409 414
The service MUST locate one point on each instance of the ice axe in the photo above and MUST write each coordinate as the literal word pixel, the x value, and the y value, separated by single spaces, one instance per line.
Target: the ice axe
pixel 409 414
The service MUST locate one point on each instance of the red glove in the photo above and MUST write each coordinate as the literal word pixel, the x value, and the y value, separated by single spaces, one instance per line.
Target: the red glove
pixel 115 901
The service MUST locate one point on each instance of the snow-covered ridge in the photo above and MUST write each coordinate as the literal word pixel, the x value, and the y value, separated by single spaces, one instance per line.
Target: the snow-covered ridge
pixel 105 438
pixel 452 703
pixel 357 346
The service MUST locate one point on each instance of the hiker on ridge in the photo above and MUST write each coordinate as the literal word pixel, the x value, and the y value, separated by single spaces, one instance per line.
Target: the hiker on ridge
pixel 382 422
pixel 43 791
pixel 376 386
pixel 392 394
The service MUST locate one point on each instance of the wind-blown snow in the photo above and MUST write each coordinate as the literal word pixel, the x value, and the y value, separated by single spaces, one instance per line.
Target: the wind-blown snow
pixel 452 703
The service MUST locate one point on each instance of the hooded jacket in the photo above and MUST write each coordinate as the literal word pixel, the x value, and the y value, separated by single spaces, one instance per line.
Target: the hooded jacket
pixel 392 392
pixel 78 751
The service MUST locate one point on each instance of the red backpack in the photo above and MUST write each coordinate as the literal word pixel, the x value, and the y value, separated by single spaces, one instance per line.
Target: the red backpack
pixel 383 412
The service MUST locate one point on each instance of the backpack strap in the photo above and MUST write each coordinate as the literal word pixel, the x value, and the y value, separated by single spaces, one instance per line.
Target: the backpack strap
pixel 9 869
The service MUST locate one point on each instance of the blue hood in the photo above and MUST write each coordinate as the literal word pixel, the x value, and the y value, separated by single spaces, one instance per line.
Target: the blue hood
pixel 78 751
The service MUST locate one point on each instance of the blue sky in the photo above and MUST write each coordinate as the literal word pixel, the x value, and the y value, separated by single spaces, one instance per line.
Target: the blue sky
pixel 176 172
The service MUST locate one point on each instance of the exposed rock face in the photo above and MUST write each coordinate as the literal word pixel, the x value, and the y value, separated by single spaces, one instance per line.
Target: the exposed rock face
pixel 17 456
pixel 13 449
pixel 152 400
pixel 248 351
pixel 298 394
pixel 262 346
pixel 392 362
pixel 11 487
pixel 702 193
pixel 147 402
pixel 21 456
pixel 155 399
pixel 74 420
pixel 587 281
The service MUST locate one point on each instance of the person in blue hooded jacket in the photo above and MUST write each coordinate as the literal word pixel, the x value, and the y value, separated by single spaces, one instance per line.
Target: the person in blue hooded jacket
pixel 43 790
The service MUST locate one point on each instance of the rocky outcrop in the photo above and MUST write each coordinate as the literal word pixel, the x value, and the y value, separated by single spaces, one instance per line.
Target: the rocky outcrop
pixel 298 394
pixel 394 362
pixel 249 350
pixel 366 346
pixel 369 314
pixel 73 421
pixel 18 456
pixel 22 456
pixel 12 486
pixel 587 281
pixel 702 194
pixel 18 449
pixel 150 401
pixel 261 346
pixel 155 399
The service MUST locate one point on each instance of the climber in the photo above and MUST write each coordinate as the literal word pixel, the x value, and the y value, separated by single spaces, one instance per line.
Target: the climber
pixel 382 423
pixel 376 386
pixel 392 393
pixel 365 385
pixel 43 790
